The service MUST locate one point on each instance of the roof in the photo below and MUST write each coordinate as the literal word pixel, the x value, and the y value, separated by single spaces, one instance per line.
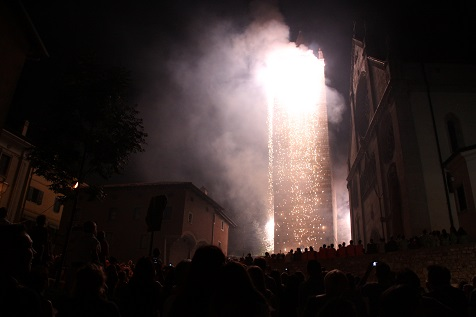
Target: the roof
pixel 187 185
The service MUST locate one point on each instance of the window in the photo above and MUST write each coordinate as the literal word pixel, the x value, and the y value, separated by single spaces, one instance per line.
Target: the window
pixel 112 213
pixel 34 195
pixel 362 106
pixel 190 217
pixel 222 225
pixel 4 164
pixel 461 196
pixel 368 176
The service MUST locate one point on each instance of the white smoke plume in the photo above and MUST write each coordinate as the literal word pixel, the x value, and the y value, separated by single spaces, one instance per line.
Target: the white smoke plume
pixel 207 120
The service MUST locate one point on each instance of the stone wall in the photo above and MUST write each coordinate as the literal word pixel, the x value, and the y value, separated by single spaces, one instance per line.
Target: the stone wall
pixel 460 259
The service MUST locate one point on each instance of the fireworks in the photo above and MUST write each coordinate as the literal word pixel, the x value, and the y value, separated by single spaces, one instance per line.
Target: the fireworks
pixel 300 189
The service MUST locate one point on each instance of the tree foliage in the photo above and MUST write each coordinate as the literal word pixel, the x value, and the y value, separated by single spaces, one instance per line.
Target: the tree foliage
pixel 88 128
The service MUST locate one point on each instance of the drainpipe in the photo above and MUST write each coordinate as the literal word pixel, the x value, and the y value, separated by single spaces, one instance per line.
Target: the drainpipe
pixel 213 228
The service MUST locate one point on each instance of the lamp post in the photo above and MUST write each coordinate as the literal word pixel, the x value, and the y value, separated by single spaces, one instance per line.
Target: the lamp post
pixel 75 188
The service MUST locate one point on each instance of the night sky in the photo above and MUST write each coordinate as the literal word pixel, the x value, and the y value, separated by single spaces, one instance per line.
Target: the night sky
pixel 192 64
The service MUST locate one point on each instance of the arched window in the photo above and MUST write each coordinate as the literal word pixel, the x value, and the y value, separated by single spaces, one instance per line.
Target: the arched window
pixel 368 177
pixel 362 106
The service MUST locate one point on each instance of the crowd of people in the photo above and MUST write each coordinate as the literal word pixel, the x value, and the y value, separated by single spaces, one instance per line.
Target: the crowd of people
pixel 210 284
pixel 427 239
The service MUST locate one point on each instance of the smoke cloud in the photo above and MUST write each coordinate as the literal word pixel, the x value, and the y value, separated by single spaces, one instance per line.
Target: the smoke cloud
pixel 206 112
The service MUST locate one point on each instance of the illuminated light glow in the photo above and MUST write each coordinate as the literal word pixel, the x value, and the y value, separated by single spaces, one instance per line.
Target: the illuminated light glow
pixel 299 187
pixel 269 229
pixel 291 79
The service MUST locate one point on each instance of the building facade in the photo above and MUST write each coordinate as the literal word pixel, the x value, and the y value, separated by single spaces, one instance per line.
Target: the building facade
pixel 412 153
pixel 190 219
pixel 24 194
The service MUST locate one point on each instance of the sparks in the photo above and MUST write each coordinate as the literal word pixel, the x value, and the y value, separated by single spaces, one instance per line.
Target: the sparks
pixel 300 192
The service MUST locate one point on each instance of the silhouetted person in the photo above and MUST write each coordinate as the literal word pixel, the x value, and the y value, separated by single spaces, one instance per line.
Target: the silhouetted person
pixel 258 278
pixel 235 295
pixel 142 295
pixel 289 303
pixel 440 288
pixel 88 295
pixel 372 290
pixel 402 242
pixel 338 307
pixel 391 245
pixel 203 277
pixel 83 248
pixel 158 264
pixel 372 247
pixel 289 257
pixel 39 235
pixel 104 244
pixel 331 251
pixel 472 303
pixel 297 256
pixel 322 254
pixel 312 254
pixel 112 277
pixel 444 238
pixel 37 280
pixel 313 285
pixel 405 299
pixel 248 259
pixel 175 287
pixel 269 281
pixel 341 251
pixel 359 248
pixel 16 255
pixel 276 276
pixel 337 288
pixel 121 285
pixel 351 249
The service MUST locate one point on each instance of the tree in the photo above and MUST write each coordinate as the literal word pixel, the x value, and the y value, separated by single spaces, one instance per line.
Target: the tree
pixel 89 128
